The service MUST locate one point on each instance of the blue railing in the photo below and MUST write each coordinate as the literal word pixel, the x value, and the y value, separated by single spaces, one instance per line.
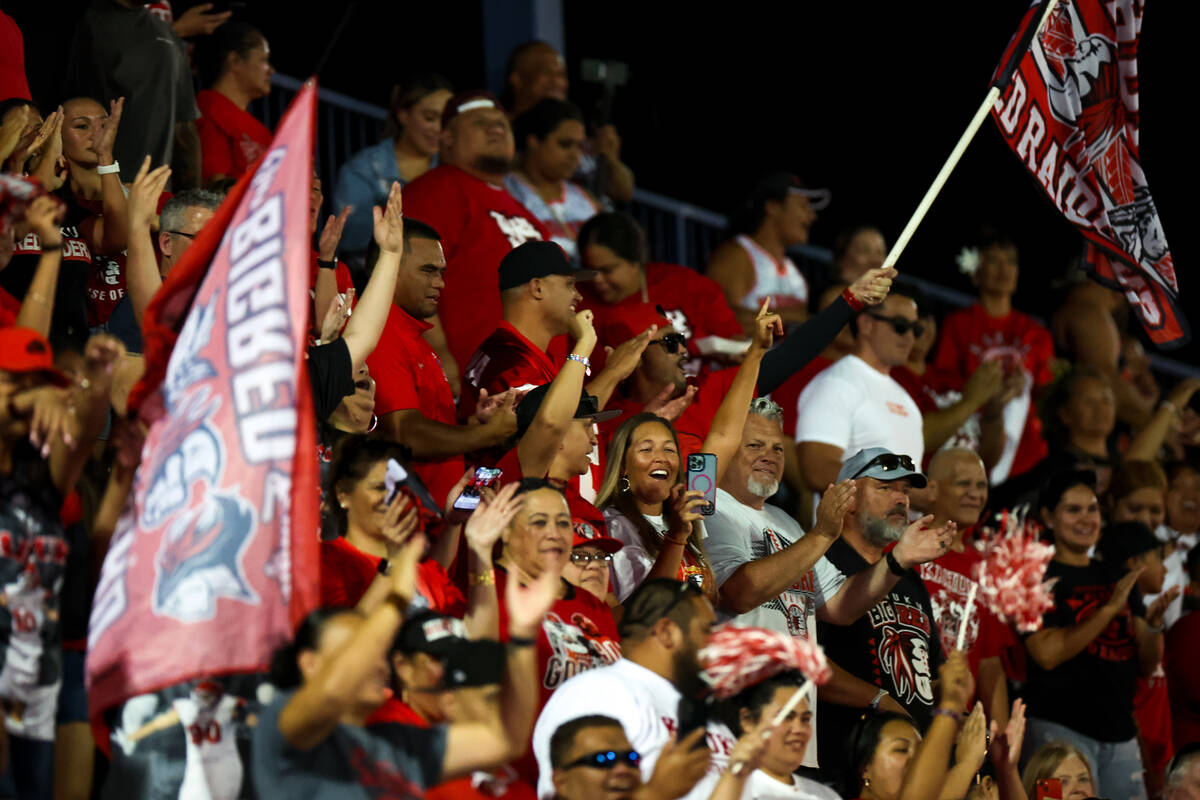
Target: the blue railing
pixel 678 232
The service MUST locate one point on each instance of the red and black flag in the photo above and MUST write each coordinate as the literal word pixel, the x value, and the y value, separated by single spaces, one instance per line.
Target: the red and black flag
pixel 1069 110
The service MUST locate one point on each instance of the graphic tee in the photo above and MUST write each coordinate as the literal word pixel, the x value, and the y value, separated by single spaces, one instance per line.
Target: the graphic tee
pixel 647 706
pixel 504 360
pixel 895 646
pixel 1091 693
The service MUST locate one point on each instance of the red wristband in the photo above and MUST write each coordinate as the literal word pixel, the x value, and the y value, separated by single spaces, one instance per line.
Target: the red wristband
pixel 852 301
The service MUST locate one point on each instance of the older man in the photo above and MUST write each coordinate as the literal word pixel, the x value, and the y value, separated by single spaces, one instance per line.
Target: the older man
pixel 895 646
pixel 774 575
pixel 465 200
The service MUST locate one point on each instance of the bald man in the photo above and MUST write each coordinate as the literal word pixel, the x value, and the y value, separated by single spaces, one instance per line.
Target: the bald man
pixel 959 485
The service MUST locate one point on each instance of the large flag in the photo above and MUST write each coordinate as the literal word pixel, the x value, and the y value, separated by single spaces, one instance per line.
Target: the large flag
pixel 215 559
pixel 1069 110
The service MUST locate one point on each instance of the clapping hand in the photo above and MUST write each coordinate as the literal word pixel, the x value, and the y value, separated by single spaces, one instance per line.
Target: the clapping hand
pixel 389 223
pixel 490 519
pixel 920 544
pixel 331 235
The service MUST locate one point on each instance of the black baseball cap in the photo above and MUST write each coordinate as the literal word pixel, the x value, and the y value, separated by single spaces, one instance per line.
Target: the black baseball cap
pixel 467 662
pixel 1125 540
pixel 537 259
pixel 589 408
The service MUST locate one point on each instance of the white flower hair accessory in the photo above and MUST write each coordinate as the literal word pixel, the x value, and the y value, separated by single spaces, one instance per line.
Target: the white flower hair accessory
pixel 967 260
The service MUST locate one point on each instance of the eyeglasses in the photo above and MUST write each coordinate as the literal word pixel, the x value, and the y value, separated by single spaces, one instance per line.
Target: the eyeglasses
pixel 887 462
pixel 672 342
pixel 185 235
pixel 582 559
pixel 606 759
pixel 901 325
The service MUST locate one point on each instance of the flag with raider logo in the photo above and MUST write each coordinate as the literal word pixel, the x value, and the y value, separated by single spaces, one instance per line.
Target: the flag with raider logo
pixel 1069 110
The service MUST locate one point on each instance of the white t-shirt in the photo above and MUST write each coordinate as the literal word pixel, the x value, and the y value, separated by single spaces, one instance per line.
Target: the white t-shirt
pixel 739 534
pixel 852 406
pixel 761 786
pixel 1176 564
pixel 645 703
pixel 632 563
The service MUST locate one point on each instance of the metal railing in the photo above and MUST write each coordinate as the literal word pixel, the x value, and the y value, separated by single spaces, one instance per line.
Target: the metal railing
pixel 678 232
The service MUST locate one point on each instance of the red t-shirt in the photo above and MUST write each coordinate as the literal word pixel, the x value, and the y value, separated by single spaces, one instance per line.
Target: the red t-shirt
pixel 948 580
pixel 970 337
pixel 10 307
pixel 788 394
pixel 479 223
pixel 12 60
pixel 505 360
pixel 408 375
pixel 106 287
pixel 230 139
pixel 693 302
pixel 347 573
pixel 1182 653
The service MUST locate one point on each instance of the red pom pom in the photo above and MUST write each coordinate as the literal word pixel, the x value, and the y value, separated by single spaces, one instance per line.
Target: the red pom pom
pixel 1012 574
pixel 739 657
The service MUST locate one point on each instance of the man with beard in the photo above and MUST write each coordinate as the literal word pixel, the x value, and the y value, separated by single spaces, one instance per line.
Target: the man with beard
pixel 774 575
pixel 464 199
pixel 665 625
pixel 895 645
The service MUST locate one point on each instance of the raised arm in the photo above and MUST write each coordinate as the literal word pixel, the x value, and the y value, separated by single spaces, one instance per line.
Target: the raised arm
pixel 725 434
pixel 111 231
pixel 1149 439
pixel 314 711
pixel 366 323
pixel 538 446
pixel 37 309
pixel 1051 647
pixel 326 287
pixel 926 773
pixel 142 275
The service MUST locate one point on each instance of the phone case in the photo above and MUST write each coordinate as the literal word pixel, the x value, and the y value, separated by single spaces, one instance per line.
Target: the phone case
pixel 702 477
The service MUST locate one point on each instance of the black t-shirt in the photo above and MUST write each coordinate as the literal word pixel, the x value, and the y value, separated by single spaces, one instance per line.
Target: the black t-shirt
pixel 895 646
pixel 331 372
pixel 1093 692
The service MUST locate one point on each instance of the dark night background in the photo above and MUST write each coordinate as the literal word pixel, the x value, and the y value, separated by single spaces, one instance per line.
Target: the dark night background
pixel 865 98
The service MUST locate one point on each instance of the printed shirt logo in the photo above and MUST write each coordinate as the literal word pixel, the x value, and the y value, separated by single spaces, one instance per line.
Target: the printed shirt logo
pixel 796 602
pixel 897 409
pixel 947 598
pixel 575 647
pixel 902 631
pixel 517 230
pixel 1115 642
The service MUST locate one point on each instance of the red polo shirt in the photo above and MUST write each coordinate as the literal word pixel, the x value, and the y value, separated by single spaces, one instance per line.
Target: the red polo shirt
pixel 230 139
pixel 408 375
pixel 505 360
pixel 479 223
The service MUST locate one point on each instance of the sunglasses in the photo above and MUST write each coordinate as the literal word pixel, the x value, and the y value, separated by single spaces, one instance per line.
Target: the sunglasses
pixel 901 325
pixel 887 462
pixel 606 759
pixel 586 558
pixel 185 235
pixel 672 342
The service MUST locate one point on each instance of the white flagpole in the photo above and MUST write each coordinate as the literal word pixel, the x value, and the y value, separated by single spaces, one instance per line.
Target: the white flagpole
pixel 976 121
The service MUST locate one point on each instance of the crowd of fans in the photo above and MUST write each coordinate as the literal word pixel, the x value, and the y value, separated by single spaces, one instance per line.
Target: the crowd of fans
pixel 482 302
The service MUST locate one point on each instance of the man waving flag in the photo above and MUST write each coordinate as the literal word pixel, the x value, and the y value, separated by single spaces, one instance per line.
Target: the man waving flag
pixel 215 559
pixel 1069 110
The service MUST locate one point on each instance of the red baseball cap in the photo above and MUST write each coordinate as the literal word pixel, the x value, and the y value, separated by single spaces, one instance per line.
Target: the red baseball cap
pixel 605 544
pixel 626 322
pixel 26 350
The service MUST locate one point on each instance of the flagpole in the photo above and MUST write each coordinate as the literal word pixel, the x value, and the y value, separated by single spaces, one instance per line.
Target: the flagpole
pixel 976 121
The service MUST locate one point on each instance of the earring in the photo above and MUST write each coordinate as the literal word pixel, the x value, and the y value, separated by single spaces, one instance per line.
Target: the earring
pixel 343 505
pixel 624 483
pixel 866 782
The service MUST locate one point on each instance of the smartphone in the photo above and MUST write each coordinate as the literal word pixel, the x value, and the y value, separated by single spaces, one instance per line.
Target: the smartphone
pixel 702 477
pixel 468 500
pixel 1049 789
pixel 692 714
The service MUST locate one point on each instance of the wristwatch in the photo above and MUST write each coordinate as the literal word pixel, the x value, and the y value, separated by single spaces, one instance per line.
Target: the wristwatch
pixel 385 567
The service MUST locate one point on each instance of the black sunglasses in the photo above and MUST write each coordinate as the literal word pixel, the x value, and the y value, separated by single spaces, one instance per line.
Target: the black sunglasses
pixel 672 342
pixel 901 325
pixel 887 462
pixel 606 759
pixel 185 235
pixel 586 558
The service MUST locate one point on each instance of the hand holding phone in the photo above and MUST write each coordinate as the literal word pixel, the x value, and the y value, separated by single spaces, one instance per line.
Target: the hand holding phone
pixel 1049 789
pixel 468 500
pixel 702 477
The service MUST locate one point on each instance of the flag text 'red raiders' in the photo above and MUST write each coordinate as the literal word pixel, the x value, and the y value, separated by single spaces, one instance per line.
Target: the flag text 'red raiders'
pixel 215 558
pixel 1069 110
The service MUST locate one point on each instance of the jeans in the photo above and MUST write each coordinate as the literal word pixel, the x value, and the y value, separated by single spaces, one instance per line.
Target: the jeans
pixel 1116 766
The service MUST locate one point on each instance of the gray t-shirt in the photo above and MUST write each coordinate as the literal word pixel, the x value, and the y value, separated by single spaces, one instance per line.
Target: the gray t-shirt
pixel 385 760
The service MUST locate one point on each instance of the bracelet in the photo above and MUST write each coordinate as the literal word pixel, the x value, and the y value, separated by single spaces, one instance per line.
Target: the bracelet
pixel 945 712
pixel 521 641
pixel 385 567
pixel 322 264
pixel 894 565
pixel 587 364
pixel 852 301
pixel 483 578
pixel 874 704
pixel 109 169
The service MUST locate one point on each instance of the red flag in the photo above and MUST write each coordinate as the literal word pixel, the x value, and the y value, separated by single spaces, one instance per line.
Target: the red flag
pixel 1069 110
pixel 215 560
